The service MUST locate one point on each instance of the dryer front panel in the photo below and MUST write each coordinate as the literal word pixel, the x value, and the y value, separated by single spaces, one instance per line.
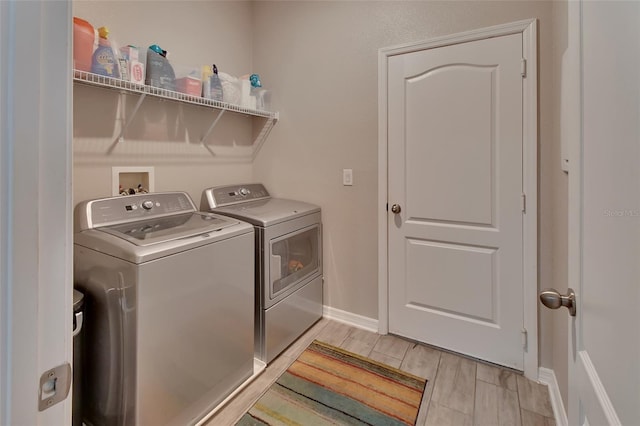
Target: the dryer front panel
pixel 292 257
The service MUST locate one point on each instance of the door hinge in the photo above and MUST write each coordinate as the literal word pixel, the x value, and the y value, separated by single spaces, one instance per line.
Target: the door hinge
pixel 523 68
pixel 524 338
pixel 523 203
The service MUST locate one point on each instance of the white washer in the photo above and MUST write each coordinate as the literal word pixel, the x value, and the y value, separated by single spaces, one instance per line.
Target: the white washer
pixel 169 308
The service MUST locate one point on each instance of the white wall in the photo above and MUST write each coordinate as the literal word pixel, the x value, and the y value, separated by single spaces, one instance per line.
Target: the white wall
pixel 321 60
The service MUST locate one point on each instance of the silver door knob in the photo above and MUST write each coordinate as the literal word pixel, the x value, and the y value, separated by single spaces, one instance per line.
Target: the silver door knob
pixel 396 208
pixel 554 300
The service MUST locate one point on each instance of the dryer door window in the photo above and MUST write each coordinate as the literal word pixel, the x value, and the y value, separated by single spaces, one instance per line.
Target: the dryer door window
pixel 293 257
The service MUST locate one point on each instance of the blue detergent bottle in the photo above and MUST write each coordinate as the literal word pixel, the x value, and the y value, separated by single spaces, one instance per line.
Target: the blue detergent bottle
pixel 104 61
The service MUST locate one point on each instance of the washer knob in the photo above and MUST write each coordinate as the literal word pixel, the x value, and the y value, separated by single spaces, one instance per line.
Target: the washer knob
pixel 244 192
pixel 147 205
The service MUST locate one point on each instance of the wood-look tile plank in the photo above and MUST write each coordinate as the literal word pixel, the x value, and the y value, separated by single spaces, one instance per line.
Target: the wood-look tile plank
pixel 455 383
pixel 334 333
pixel 508 407
pixel 497 376
pixel 421 361
pixel 495 406
pixel 534 397
pixel 392 345
pixel 441 415
pixel 385 359
pixel 356 346
pixel 360 341
pixel 529 418
pixel 424 404
pixel 364 335
pixel 486 405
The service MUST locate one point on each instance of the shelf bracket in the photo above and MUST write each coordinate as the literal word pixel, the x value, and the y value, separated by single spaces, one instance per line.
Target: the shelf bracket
pixel 208 132
pixel 263 136
pixel 208 148
pixel 120 137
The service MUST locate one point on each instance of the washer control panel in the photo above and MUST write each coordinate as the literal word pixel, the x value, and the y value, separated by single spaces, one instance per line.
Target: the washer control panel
pixel 110 211
pixel 233 194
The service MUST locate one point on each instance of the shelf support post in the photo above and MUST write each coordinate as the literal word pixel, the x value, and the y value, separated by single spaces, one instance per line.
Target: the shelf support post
pixel 120 137
pixel 263 136
pixel 208 132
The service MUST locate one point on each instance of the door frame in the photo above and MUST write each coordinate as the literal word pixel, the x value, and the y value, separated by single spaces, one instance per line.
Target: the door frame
pixel 36 232
pixel 528 29
pixel 583 378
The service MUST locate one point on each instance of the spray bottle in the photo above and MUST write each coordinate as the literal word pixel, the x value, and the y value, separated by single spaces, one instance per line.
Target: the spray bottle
pixel 216 85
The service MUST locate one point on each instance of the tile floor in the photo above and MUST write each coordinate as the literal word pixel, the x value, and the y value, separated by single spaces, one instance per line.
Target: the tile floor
pixel 460 391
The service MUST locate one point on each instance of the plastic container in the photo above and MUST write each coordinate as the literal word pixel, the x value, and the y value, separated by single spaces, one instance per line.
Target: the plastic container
pixel 231 88
pixel 135 68
pixel 188 80
pixel 84 41
pixel 189 85
pixel 263 99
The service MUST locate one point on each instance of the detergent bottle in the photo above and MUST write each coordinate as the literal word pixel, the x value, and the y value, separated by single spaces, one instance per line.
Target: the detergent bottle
pixel 104 61
pixel 216 85
pixel 83 43
pixel 159 71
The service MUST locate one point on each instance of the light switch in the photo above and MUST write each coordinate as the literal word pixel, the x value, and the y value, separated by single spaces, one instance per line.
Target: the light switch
pixel 347 177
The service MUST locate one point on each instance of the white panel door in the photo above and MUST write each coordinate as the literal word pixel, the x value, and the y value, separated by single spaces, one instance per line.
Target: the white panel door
pixel 455 170
pixel 604 217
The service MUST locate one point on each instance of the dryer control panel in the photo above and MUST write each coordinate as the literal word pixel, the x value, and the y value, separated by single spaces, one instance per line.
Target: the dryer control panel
pixel 232 194
pixel 116 210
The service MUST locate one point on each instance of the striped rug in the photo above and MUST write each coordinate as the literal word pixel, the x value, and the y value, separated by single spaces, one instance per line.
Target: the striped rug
pixel 330 386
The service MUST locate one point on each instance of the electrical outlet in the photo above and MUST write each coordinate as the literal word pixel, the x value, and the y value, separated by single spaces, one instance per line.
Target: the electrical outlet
pixel 347 177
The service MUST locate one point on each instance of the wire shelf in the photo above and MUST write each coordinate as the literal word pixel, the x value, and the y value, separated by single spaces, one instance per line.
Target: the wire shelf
pixel 142 89
pixel 123 86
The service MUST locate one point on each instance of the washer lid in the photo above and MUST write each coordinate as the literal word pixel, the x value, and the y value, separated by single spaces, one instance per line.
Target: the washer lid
pixel 268 212
pixel 158 230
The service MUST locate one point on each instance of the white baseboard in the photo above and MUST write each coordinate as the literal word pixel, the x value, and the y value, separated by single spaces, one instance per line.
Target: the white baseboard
pixel 349 318
pixel 547 377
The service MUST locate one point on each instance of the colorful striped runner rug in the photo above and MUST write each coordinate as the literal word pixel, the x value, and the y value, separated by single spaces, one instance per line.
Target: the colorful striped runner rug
pixel 330 386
